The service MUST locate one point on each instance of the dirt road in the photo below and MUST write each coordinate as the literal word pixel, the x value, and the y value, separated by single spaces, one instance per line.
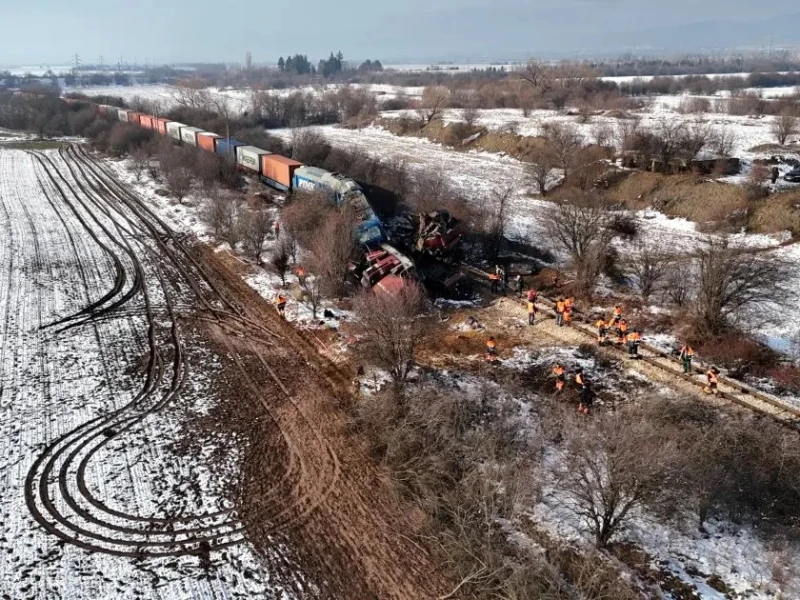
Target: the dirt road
pixel 167 422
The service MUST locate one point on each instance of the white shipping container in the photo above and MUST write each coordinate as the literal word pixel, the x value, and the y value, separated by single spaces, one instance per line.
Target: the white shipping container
pixel 122 115
pixel 189 135
pixel 174 130
pixel 249 157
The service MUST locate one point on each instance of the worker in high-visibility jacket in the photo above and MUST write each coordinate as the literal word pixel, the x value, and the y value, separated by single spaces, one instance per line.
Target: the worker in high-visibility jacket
pixel 622 331
pixel 494 280
pixel 580 380
pixel 301 275
pixel 531 312
pixel 560 307
pixel 617 314
pixel 686 355
pixel 712 376
pixel 602 332
pixel 561 379
pixel 634 337
pixel 280 304
pixel 569 303
pixel 491 350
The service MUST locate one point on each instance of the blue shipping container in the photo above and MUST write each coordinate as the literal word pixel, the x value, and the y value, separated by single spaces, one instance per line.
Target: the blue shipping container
pixel 227 147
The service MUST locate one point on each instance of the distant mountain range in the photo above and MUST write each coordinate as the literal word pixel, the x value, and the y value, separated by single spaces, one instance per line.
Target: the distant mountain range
pixel 776 31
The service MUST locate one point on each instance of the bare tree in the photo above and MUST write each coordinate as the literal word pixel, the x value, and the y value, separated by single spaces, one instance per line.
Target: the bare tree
pixel 784 126
pixel 730 280
pixel 140 160
pixel 649 267
pixel 678 283
pixel 495 223
pixel 332 247
pixel 583 230
pixel 179 181
pixel 538 75
pixel 391 329
pixel 470 114
pixel 564 142
pixel 543 161
pixel 312 291
pixel 280 261
pixel 626 132
pixel 255 232
pixel 605 473
pixel 602 134
pixel 433 102
pixel 309 145
pixel 724 140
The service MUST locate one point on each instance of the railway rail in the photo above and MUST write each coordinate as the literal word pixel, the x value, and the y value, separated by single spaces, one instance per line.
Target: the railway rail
pixel 736 392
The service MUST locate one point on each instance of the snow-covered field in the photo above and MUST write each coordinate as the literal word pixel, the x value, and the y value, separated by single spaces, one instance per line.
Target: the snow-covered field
pixel 95 503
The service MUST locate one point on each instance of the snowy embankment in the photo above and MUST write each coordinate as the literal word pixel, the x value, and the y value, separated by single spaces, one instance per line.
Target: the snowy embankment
pixel 95 501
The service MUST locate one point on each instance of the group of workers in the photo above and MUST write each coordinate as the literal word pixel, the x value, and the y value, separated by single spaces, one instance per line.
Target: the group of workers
pixel 625 336
pixel 585 391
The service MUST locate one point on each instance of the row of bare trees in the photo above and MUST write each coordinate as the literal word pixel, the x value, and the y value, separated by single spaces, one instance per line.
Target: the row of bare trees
pixel 720 285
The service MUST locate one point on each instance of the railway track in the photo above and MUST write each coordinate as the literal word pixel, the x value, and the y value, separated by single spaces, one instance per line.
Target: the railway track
pixel 735 392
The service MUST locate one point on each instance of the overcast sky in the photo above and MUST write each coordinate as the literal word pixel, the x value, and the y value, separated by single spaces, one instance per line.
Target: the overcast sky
pixel 50 31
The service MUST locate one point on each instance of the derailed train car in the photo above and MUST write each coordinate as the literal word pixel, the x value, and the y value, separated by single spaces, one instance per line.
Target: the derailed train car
pixel 285 174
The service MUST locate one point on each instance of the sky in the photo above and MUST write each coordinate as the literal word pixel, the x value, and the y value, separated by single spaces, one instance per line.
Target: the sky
pixel 50 32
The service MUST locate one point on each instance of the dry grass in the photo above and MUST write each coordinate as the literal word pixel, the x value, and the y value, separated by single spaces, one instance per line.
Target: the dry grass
pixel 777 213
pixel 687 196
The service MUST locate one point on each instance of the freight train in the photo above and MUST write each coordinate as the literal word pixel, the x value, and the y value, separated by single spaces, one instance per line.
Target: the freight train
pixel 281 173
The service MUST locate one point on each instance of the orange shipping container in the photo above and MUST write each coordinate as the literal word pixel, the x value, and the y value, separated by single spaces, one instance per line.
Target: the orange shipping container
pixel 160 125
pixel 205 140
pixel 133 117
pixel 146 121
pixel 279 169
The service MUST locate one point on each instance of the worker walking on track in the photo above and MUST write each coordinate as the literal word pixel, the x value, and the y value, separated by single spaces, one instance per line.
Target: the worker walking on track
pixel 560 307
pixel 561 379
pixel 633 343
pixel 587 399
pixel 687 353
pixel 491 350
pixel 531 312
pixel 602 332
pixel 712 375
pixel 568 304
pixel 622 331
pixel 280 304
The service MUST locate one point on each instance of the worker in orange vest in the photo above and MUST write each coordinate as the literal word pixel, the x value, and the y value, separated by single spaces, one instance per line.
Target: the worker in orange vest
pixel 494 278
pixel 579 378
pixel 617 313
pixel 280 304
pixel 686 355
pixel 634 337
pixel 560 307
pixel 602 332
pixel 712 375
pixel 491 350
pixel 568 305
pixel 622 331
pixel 531 312
pixel 558 372
pixel 301 274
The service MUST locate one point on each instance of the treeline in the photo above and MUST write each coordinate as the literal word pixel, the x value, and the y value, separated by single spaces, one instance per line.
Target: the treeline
pixel 693 65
